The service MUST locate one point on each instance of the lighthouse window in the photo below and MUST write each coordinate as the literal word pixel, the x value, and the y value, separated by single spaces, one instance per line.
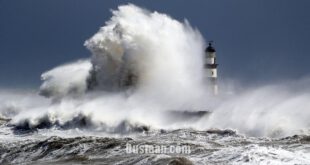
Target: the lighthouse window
pixel 212 73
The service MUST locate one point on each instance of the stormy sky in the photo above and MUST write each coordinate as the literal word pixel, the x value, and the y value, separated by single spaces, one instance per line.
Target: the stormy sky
pixel 257 41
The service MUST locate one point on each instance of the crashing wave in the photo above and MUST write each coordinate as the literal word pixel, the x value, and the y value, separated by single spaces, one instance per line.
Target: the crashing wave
pixel 80 121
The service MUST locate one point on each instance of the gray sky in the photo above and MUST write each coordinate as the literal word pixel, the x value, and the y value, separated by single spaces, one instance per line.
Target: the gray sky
pixel 256 41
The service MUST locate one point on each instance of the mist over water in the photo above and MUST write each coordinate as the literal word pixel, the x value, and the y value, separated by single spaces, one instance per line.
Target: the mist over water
pixel 167 55
pixel 272 110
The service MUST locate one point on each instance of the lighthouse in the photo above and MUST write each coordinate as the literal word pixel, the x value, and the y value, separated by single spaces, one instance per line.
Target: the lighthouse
pixel 211 68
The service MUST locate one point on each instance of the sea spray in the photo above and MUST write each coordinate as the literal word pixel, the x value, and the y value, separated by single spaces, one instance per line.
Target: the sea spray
pixel 65 80
pixel 272 110
pixel 165 54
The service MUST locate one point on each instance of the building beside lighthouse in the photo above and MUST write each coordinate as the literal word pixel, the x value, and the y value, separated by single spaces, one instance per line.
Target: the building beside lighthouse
pixel 210 67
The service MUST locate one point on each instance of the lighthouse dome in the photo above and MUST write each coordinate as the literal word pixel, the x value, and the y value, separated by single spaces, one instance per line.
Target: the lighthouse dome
pixel 210 48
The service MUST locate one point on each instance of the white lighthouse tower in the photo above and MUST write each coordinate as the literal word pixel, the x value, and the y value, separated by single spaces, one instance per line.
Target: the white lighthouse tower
pixel 211 68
